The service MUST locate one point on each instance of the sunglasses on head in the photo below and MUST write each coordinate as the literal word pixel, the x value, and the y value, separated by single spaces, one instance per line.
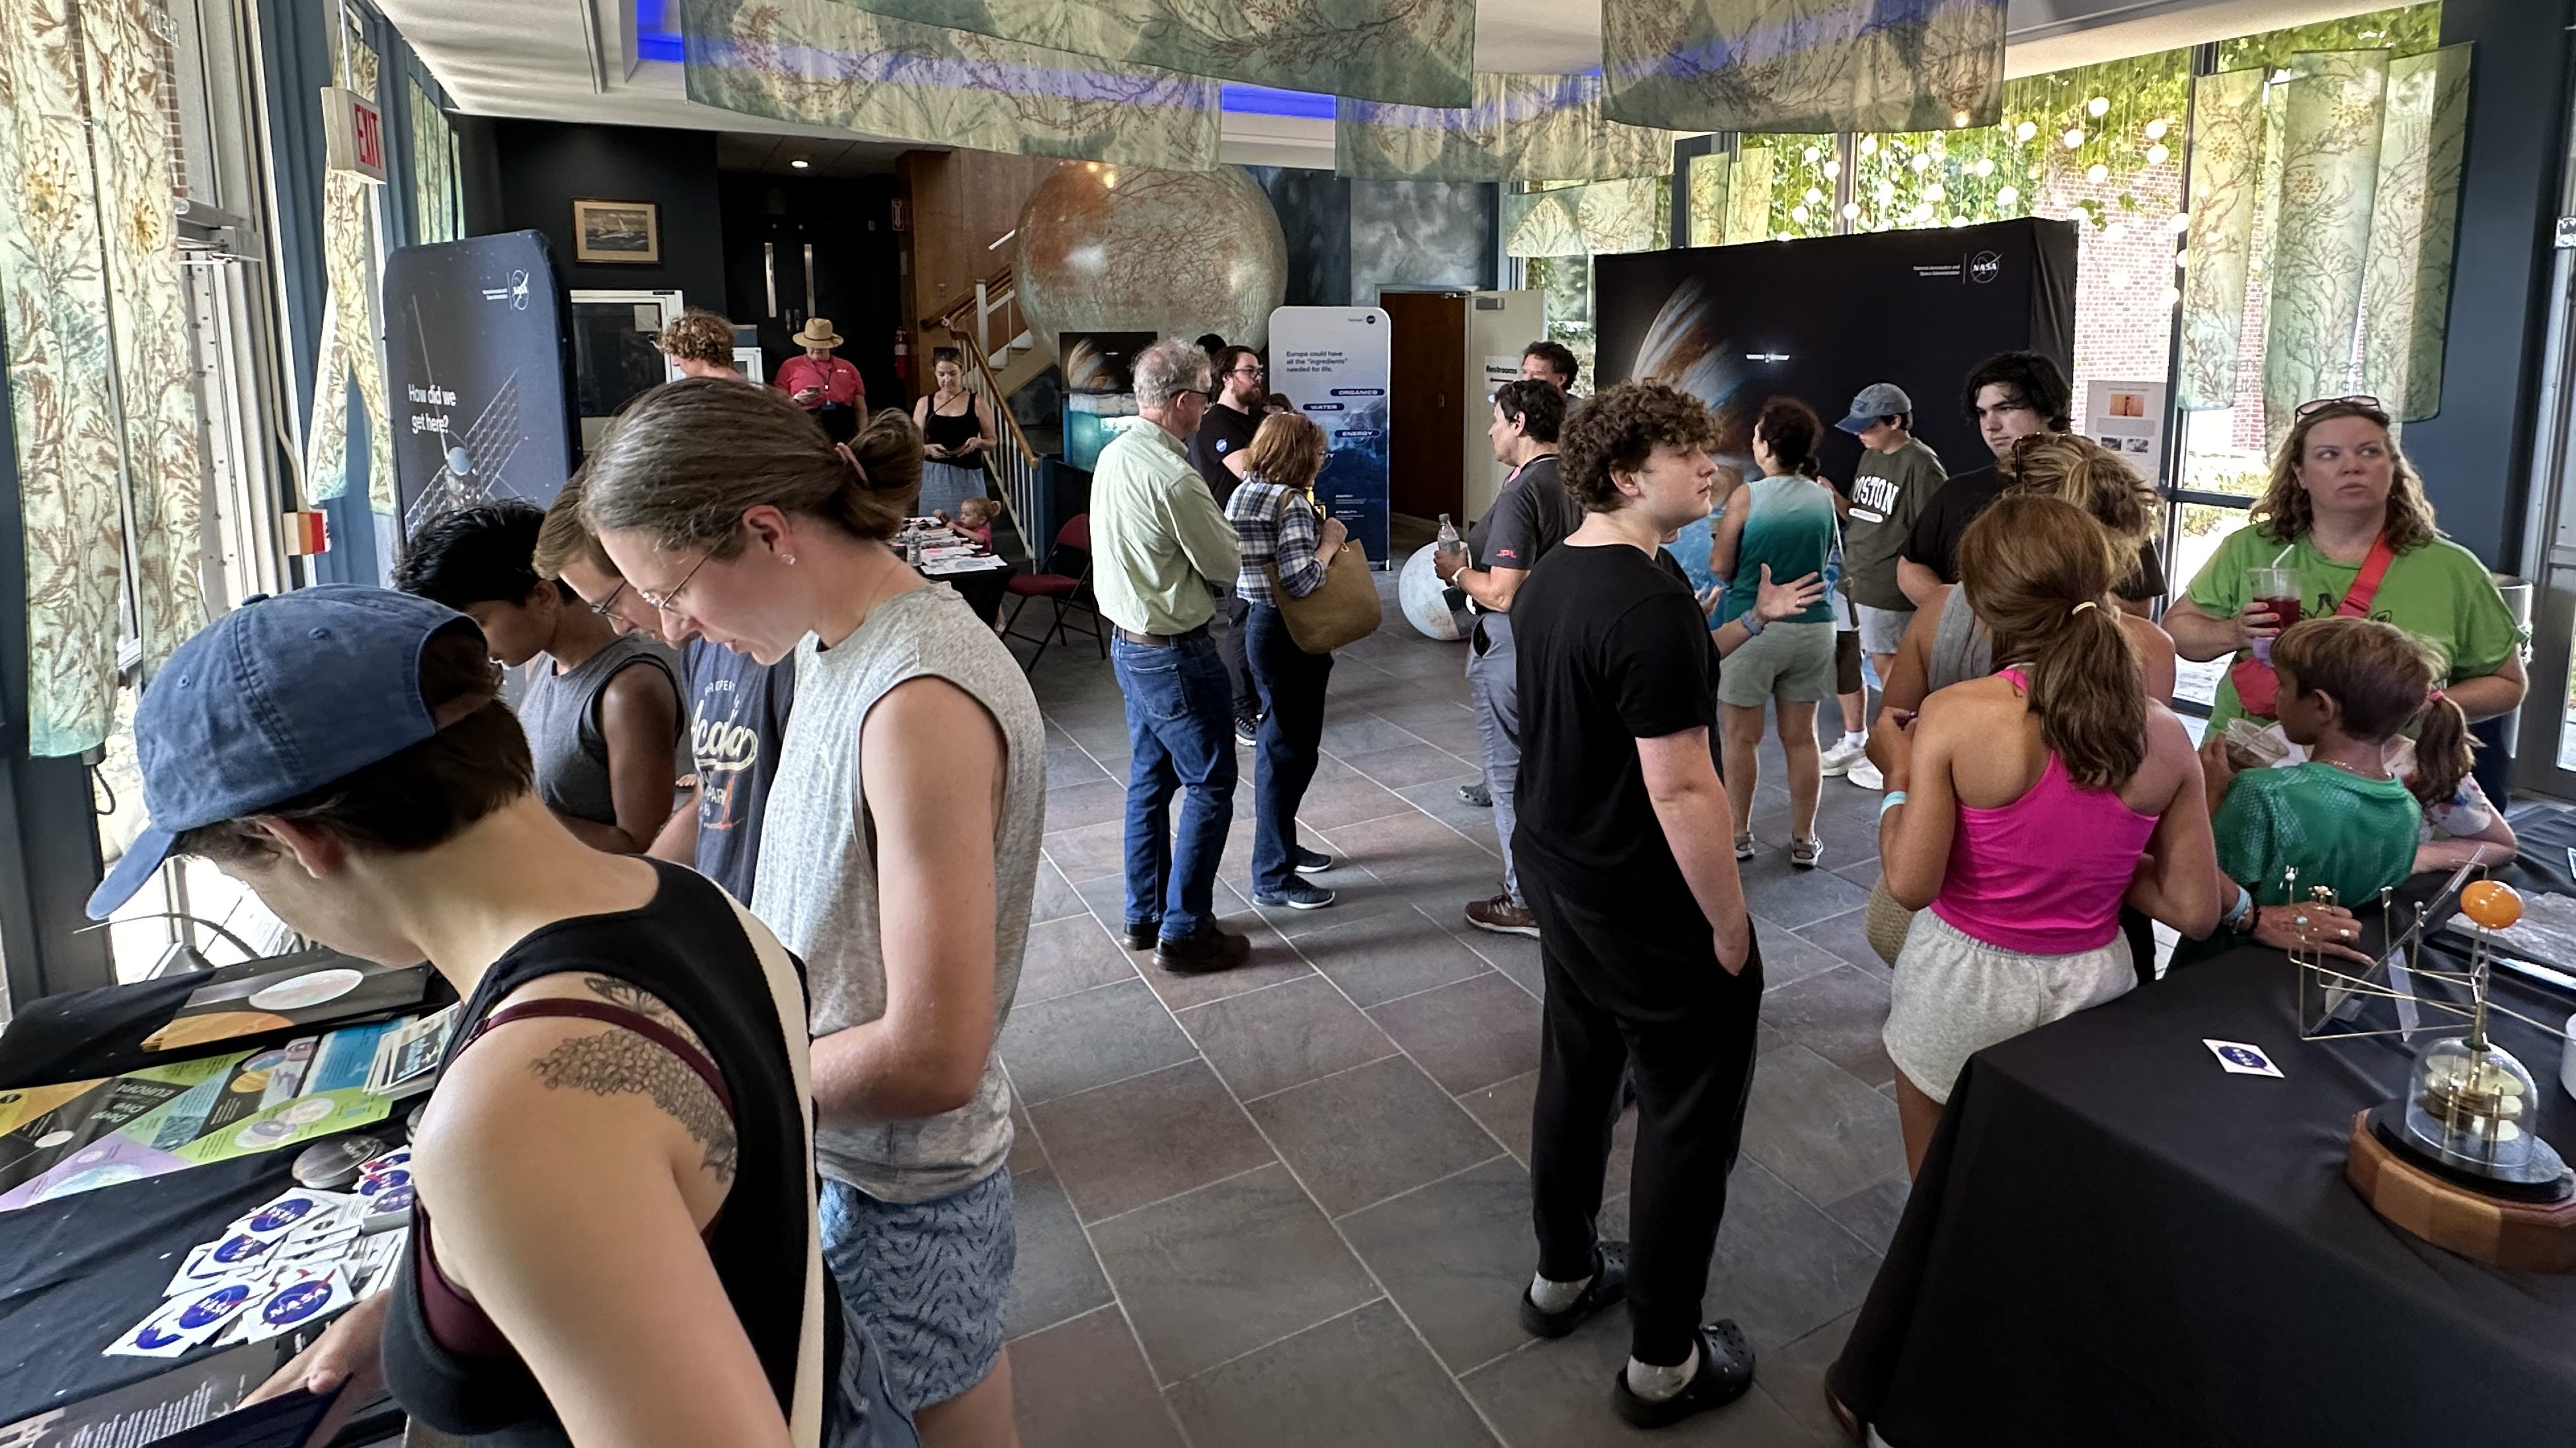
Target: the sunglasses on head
pixel 2358 399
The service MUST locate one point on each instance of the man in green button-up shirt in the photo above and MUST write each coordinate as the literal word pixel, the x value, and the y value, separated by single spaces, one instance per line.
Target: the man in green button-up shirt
pixel 1159 546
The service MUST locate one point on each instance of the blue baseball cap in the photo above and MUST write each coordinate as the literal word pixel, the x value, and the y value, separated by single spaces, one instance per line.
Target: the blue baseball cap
pixel 1877 400
pixel 275 699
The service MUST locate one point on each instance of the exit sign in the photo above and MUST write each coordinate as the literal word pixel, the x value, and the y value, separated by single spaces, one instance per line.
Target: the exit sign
pixel 353 132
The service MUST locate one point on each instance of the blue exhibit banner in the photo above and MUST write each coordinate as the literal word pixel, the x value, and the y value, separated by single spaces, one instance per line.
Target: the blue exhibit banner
pixel 475 368
pixel 1334 364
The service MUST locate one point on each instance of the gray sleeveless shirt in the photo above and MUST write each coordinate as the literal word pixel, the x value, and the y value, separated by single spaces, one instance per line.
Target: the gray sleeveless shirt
pixel 561 714
pixel 817 882
pixel 1962 649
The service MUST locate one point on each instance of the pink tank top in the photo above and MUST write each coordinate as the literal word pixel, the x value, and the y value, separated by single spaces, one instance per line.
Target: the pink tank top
pixel 2045 874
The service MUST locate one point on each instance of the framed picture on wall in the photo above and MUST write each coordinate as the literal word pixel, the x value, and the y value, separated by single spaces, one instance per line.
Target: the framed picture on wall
pixel 617 231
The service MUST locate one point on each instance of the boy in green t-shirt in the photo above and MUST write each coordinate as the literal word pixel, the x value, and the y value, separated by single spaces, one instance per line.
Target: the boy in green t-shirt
pixel 2349 689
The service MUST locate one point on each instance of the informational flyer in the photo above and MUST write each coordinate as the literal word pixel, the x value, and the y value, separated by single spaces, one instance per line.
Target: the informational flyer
pixel 1335 365
pixel 2129 419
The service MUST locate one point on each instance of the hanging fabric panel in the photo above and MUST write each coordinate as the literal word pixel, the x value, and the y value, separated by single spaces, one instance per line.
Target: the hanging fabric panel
pixel 1521 128
pixel 350 349
pixel 2331 123
pixel 1748 195
pixel 1707 178
pixel 148 319
pixel 435 209
pixel 1413 52
pixel 2226 171
pixel 819 63
pixel 63 414
pixel 2414 226
pixel 1804 65
pixel 1589 220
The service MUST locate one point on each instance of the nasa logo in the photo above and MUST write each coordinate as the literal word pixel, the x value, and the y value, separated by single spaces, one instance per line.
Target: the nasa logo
pixel 1984 267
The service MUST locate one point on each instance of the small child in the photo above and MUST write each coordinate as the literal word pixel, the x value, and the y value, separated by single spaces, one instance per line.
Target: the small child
pixel 974 520
pixel 2350 689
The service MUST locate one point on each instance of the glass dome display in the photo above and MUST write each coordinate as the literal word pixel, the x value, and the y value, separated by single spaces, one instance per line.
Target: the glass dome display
pixel 2472 1106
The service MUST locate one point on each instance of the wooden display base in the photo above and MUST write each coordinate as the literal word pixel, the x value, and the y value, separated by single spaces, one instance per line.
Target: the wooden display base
pixel 2525 1236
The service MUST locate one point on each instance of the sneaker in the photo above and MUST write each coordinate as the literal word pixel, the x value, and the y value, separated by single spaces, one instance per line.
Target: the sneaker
pixel 1803 854
pixel 1865 774
pixel 1209 949
pixel 1744 846
pixel 1609 1285
pixel 1309 862
pixel 1477 795
pixel 1502 917
pixel 1247 732
pixel 1296 895
pixel 1725 1372
pixel 1840 757
pixel 1141 934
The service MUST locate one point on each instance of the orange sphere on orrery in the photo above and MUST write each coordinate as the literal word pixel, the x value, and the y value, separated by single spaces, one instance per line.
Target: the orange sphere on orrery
pixel 2491 903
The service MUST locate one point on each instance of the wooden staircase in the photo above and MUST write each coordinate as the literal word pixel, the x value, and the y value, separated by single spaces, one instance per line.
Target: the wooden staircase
pixel 1000 355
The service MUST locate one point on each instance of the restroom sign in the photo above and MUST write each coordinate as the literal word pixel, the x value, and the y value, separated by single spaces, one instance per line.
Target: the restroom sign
pixel 353 133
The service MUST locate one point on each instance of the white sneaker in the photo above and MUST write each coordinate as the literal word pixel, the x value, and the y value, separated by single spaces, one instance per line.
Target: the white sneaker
pixel 1865 774
pixel 1839 758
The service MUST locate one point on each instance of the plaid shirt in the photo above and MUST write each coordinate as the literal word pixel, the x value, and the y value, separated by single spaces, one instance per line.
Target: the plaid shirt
pixel 1276 524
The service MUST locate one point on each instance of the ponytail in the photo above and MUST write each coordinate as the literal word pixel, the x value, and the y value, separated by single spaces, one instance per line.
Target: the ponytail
pixel 2037 571
pixel 2444 752
pixel 685 459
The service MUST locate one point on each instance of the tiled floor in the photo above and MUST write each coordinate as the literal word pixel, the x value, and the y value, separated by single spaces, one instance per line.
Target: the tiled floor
pixel 1289 1205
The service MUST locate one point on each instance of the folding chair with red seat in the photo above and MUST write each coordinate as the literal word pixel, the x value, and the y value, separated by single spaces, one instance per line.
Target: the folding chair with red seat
pixel 1067 591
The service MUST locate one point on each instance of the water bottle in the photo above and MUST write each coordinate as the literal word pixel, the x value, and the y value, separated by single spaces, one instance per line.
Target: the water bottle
pixel 1451 545
pixel 912 550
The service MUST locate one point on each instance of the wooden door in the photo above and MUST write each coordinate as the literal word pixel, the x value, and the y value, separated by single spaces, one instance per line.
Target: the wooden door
pixel 1426 400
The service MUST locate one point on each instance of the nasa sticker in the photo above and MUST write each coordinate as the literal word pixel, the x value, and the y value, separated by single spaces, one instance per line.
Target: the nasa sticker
pixel 2240 1059
pixel 241 1250
pixel 379 1165
pixel 289 1211
pixel 298 1304
pixel 388 1209
pixel 184 1322
pixel 375 1182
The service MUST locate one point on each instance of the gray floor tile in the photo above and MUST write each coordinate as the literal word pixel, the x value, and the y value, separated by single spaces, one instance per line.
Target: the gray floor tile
pixel 1822 1131
pixel 1055 1277
pixel 1055 1048
pixel 1793 1377
pixel 1070 765
pixel 1796 898
pixel 1847 937
pixel 1848 837
pixel 1782 1269
pixel 1273 960
pixel 1220 1271
pixel 1371 1132
pixel 1863 873
pixel 1788 957
pixel 1088 852
pixel 1387 954
pixel 1141 1140
pixel 1467 1035
pixel 1093 801
pixel 1557 1395
pixel 1055 898
pixel 1872 1213
pixel 1359 1381
pixel 1356 731
pixel 1332 804
pixel 1082 1384
pixel 1270 1040
pixel 1456 1256
pixel 1407 765
pixel 1504 1110
pixel 1838 1015
pixel 1072 954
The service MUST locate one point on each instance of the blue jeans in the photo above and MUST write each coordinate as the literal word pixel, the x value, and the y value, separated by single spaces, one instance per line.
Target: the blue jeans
pixel 1291 682
pixel 1180 726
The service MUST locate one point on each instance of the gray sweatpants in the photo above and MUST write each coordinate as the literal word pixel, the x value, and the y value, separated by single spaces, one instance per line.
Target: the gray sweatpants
pixel 1493 681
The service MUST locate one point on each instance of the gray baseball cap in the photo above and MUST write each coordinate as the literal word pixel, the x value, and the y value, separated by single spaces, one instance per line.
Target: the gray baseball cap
pixel 1877 400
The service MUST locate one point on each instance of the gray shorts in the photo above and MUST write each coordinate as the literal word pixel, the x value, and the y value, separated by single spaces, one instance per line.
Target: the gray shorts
pixel 1954 995
pixel 1882 630
pixel 1787 661
pixel 929 1279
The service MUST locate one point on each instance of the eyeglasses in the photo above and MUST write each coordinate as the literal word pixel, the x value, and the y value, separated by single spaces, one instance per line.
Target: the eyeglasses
pixel 607 607
pixel 669 602
pixel 1246 372
pixel 2358 399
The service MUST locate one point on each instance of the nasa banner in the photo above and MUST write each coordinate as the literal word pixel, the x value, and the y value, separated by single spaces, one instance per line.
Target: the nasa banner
pixel 1820 318
pixel 475 374
pixel 1334 364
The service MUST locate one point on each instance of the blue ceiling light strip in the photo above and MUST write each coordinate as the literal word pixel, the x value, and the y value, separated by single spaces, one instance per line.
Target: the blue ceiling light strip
pixel 1262 100
pixel 657 32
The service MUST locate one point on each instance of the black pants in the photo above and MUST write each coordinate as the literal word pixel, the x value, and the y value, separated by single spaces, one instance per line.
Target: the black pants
pixel 1691 1061
pixel 1291 741
pixel 1238 668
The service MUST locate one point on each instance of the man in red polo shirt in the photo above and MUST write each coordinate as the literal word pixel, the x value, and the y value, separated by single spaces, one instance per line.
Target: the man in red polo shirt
pixel 818 379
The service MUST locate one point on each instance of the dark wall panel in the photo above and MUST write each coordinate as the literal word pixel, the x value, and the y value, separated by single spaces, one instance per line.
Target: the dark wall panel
pixel 857 268
pixel 544 167
pixel 1315 214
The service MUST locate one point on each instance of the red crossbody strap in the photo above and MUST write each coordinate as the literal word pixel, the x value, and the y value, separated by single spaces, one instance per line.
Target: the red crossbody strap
pixel 2365 584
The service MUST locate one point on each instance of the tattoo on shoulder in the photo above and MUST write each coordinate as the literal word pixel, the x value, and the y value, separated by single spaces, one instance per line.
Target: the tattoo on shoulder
pixel 619 1062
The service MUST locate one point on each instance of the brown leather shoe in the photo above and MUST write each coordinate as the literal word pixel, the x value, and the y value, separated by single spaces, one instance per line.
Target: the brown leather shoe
pixel 1209 949
pixel 1502 917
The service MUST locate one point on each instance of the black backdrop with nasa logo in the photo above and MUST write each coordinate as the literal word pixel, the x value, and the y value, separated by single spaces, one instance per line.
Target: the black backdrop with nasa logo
pixel 1821 318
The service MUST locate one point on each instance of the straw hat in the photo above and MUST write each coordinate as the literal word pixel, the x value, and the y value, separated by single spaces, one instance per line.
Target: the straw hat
pixel 818 333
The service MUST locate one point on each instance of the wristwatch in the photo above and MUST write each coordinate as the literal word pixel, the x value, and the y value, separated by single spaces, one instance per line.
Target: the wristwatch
pixel 1752 621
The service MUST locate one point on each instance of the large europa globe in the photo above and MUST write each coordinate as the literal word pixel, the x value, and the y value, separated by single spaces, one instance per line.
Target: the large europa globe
pixel 1426 599
pixel 1126 249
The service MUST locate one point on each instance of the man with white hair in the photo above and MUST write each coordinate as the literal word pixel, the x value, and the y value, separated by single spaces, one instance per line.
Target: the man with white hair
pixel 1160 544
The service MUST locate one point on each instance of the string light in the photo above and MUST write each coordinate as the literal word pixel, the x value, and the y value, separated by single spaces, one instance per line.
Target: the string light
pixel 1809 155
pixel 1936 192
pixel 1958 221
pixel 2074 137
pixel 1869 145
pixel 2156 130
pixel 1920 163
pixel 2173 296
pixel 1959 119
pixel 2008 196
pixel 1886 192
pixel 2180 224
pixel 1797 214
pixel 1814 196
pixel 1850 210
pixel 2156 155
pixel 2025 131
pixel 1833 169
pixel 1984 167
pixel 2097 173
pixel 2096 106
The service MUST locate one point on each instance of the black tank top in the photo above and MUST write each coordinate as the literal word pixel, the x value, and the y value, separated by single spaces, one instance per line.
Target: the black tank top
pixel 953 430
pixel 689 950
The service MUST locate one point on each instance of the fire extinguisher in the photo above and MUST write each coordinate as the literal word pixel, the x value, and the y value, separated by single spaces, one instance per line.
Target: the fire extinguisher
pixel 902 357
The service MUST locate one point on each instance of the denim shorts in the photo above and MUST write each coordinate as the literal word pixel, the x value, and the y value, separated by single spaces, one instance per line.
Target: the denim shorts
pixel 929 1279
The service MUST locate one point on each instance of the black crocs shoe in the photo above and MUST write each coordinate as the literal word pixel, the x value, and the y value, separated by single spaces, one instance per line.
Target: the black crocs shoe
pixel 1609 1286
pixel 1725 1372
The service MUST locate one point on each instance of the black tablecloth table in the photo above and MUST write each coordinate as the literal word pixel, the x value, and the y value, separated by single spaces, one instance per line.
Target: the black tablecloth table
pixel 983 589
pixel 2113 1241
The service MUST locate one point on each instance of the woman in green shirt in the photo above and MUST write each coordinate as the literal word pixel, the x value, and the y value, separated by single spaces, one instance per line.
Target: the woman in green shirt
pixel 2339 485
